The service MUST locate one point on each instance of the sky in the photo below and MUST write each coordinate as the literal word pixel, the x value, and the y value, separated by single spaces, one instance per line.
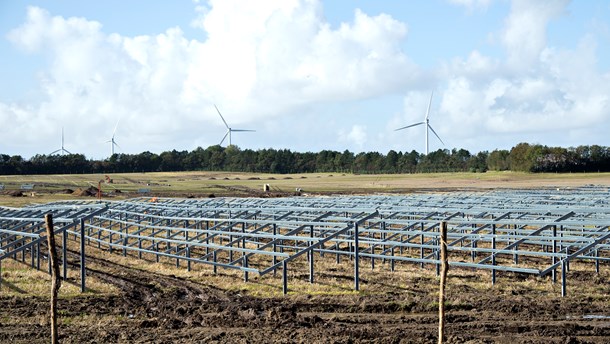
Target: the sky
pixel 306 75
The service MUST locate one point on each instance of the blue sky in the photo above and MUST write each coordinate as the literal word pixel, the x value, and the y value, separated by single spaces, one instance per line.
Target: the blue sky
pixel 306 75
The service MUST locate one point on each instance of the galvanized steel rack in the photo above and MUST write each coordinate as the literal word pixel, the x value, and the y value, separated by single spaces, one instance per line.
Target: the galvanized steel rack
pixel 537 232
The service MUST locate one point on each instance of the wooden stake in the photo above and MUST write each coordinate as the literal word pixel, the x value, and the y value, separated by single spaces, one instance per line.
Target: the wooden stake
pixel 443 272
pixel 55 277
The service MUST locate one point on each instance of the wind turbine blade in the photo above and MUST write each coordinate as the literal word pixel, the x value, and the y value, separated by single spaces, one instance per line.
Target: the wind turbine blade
pixel 224 137
pixel 55 151
pixel 409 126
pixel 223 119
pixel 435 134
pixel 429 104
pixel 115 127
pixel 67 151
pixel 242 130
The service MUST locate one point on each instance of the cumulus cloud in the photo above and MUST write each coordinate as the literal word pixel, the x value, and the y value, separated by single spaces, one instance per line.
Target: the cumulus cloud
pixel 280 62
pixel 537 91
pixel 357 136
pixel 257 60
pixel 524 35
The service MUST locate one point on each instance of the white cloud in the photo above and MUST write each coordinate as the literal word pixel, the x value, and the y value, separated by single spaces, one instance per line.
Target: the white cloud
pixel 537 93
pixel 472 4
pixel 357 136
pixel 280 61
pixel 258 60
pixel 524 35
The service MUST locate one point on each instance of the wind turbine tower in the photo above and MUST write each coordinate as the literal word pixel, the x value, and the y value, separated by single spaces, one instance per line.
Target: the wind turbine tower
pixel 229 129
pixel 62 150
pixel 426 122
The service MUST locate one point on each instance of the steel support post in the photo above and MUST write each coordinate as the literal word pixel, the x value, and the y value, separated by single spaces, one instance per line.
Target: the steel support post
pixel 38 256
pixel 493 253
pixel 437 255
pixel 284 277
pixel 125 238
pixel 245 265
pixel 356 259
pixel 421 248
pixel 392 262
pixel 383 235
pixel 310 266
pixel 563 278
pixel 337 250
pixel 214 257
pixel 438 252
pixel 188 261
pixel 243 238
pixel 596 261
pixel 82 256
pixel 64 258
pixel 309 256
pixel 274 247
pixel 157 251
pixel 167 235
pixel 231 251
pixel 207 240
pixel 554 259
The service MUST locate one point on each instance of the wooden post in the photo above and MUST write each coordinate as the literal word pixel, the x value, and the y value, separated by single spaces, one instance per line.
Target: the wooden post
pixel 441 294
pixel 55 278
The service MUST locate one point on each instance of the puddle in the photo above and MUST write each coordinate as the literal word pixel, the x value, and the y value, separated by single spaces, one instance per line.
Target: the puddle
pixel 588 316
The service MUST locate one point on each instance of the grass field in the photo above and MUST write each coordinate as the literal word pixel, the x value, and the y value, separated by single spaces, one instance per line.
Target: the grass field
pixel 203 184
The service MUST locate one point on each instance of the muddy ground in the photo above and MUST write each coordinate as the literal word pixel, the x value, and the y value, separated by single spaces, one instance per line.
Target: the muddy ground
pixel 157 308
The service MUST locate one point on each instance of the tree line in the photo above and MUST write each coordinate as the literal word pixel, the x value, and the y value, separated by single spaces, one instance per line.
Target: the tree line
pixel 523 157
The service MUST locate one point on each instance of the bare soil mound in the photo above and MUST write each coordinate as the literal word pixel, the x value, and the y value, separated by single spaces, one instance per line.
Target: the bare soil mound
pixel 15 193
pixel 90 191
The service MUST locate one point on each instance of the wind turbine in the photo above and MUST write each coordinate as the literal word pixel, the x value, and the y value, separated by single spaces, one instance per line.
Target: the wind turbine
pixel 426 122
pixel 229 129
pixel 112 141
pixel 62 150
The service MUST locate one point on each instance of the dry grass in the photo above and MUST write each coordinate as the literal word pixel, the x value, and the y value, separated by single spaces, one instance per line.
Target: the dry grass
pixel 331 278
pixel 21 279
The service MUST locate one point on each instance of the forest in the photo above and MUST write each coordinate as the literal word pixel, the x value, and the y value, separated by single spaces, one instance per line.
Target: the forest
pixel 522 157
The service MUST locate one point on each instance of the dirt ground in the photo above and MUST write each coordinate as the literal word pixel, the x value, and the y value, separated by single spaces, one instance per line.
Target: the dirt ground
pixel 152 307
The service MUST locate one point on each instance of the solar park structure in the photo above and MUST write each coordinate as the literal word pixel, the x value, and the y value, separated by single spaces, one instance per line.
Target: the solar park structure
pixel 536 232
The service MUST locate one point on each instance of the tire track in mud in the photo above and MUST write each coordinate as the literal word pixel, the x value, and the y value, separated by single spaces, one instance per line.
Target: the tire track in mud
pixel 152 307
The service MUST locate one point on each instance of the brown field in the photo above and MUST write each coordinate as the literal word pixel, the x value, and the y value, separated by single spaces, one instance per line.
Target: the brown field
pixel 136 301
pixel 203 184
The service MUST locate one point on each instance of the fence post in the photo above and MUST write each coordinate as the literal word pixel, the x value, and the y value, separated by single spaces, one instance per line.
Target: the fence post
pixel 55 278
